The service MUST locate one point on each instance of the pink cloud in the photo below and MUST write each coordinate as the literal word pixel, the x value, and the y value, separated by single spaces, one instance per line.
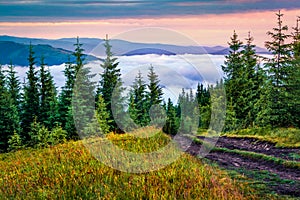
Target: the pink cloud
pixel 204 29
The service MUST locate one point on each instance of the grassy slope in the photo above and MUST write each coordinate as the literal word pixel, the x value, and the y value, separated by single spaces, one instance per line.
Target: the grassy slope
pixel 69 171
pixel 282 137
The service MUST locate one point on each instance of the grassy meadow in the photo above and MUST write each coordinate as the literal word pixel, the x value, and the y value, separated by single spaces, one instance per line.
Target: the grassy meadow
pixel 70 171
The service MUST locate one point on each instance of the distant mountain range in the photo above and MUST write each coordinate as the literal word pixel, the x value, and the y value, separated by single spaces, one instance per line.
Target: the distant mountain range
pixel 15 49
pixel 17 53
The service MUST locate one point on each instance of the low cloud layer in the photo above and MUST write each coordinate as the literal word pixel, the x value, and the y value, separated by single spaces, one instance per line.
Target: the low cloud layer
pixel 175 72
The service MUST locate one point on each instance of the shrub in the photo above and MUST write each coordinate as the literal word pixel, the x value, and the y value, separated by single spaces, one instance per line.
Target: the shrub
pixel 15 142
pixel 39 135
pixel 57 135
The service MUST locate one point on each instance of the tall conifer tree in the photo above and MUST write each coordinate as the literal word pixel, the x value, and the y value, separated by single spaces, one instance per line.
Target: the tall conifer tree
pixel 172 121
pixel 83 93
pixel 249 84
pixel 13 86
pixel 9 120
pixel 111 89
pixel 65 98
pixel 48 105
pixel 31 99
pixel 155 90
pixel 233 70
pixel 279 70
pixel 155 99
pixel 203 99
pixel 137 107
pixel 294 80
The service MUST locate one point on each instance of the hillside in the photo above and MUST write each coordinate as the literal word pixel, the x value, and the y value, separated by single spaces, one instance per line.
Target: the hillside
pixel 17 53
pixel 69 171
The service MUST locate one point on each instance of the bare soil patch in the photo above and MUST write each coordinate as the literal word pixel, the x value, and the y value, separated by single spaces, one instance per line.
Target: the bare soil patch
pixel 257 146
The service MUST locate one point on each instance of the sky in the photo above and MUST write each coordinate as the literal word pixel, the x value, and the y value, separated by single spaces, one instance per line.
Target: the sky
pixel 207 22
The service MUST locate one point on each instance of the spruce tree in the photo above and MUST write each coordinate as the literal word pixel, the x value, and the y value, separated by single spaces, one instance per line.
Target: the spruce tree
pixel 296 39
pixel 294 80
pixel 121 121
pixel 155 90
pixel 279 70
pixel 137 107
pixel 99 124
pixel 111 89
pixel 172 122
pixel 83 93
pixel 48 101
pixel 232 64
pixel 65 98
pixel 13 86
pixel 155 99
pixel 57 135
pixel 189 112
pixel 231 122
pixel 249 85
pixel 261 97
pixel 14 91
pixel 30 105
pixel 232 69
pixel 203 99
pixel 132 111
pixel 102 115
pixel 15 142
pixel 218 108
pixel 202 95
pixel 39 135
pixel 263 106
pixel 9 120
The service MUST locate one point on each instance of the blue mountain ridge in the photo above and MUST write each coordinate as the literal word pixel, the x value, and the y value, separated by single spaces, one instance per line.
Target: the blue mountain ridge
pixel 57 51
pixel 17 53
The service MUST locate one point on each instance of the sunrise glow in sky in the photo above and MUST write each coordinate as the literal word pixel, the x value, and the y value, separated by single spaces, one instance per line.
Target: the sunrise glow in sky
pixel 208 22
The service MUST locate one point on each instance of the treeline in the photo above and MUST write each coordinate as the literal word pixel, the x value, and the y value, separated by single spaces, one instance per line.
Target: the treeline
pixel 34 114
pixel 260 92
pixel 264 91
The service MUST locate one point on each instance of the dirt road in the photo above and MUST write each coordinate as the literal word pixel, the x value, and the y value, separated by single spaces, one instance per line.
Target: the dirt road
pixel 280 178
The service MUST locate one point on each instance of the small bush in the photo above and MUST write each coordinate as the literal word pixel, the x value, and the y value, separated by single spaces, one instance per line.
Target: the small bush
pixel 15 142
pixel 39 135
pixel 57 135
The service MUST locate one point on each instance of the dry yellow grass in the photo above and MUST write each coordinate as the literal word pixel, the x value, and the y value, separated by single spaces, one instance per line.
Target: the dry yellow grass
pixel 69 171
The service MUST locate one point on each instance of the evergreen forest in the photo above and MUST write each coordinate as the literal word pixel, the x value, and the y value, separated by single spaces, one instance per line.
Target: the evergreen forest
pixel 260 92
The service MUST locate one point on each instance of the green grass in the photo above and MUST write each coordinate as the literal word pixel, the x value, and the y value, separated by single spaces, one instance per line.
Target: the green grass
pixel 69 171
pixel 141 141
pixel 259 156
pixel 294 156
pixel 282 137
pixel 261 182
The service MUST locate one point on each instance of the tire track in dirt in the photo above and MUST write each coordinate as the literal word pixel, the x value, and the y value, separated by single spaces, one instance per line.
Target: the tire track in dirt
pixel 257 146
pixel 231 160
